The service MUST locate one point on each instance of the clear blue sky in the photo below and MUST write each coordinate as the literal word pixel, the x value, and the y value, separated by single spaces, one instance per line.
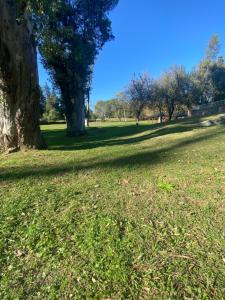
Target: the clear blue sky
pixel 152 35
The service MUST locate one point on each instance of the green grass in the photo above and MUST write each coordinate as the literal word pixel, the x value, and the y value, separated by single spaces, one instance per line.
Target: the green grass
pixel 125 212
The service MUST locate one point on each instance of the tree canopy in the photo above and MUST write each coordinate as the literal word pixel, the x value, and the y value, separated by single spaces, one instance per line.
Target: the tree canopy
pixel 69 38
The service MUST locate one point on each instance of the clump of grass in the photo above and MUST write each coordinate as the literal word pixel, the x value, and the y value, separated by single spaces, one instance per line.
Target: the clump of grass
pixel 166 186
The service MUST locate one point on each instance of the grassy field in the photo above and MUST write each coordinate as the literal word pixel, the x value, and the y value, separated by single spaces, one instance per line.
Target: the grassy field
pixel 125 212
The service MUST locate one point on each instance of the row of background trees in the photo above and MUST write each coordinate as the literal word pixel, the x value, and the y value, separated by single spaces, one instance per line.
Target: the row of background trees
pixel 174 93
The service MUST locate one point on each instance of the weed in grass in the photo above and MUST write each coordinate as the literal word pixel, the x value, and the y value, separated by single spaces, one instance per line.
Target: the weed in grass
pixel 165 186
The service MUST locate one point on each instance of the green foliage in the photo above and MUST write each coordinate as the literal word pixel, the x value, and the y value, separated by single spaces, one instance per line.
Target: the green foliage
pixel 114 108
pixel 210 73
pixel 42 102
pixel 172 90
pixel 101 109
pixel 217 79
pixel 213 49
pixel 177 90
pixel 70 34
pixel 168 187
pixel 139 94
pixel 52 110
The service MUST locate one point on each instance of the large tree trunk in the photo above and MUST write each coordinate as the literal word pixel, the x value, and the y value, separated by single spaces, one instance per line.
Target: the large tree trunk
pixel 75 116
pixel 19 88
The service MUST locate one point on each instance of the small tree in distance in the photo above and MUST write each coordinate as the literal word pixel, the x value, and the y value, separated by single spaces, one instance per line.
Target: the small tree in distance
pixel 101 109
pixel 139 94
pixel 158 98
pixel 116 108
pixel 52 110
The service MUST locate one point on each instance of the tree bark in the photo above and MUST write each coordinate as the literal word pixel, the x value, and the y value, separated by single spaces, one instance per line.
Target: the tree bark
pixel 170 109
pixel 19 87
pixel 88 108
pixel 170 115
pixel 160 119
pixel 189 112
pixel 75 116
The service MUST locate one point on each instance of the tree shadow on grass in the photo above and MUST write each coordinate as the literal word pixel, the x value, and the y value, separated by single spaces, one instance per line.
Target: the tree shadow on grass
pixel 146 158
pixel 116 135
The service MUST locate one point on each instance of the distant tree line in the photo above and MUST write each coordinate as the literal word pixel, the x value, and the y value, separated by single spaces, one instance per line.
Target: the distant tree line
pixel 175 92
pixel 113 108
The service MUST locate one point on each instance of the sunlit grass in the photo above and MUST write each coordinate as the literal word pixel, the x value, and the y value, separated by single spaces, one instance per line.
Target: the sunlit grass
pixel 126 212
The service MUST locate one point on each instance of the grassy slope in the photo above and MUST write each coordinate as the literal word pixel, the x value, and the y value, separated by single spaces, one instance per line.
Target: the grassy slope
pixel 125 213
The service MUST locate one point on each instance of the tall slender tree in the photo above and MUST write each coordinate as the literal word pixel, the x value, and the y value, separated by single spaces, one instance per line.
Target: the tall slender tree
pixel 158 98
pixel 70 37
pixel 210 72
pixel 213 48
